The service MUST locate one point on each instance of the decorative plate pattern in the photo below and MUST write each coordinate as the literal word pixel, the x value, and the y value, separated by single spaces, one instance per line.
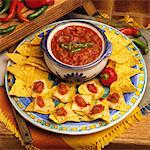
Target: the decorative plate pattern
pixel 42 121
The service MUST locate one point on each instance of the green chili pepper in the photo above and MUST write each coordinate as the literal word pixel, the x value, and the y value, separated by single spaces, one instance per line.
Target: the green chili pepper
pixel 75 47
pixel 7 30
pixel 6 4
pixel 37 13
pixel 143 46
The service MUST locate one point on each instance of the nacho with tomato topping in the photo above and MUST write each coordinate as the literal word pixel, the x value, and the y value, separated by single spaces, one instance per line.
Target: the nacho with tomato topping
pixel 116 101
pixel 81 103
pixel 99 110
pixel 65 92
pixel 93 88
pixel 41 105
pixel 64 113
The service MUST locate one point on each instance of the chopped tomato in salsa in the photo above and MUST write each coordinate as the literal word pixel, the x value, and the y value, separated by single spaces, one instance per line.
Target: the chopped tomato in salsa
pixel 88 43
pixel 40 101
pixel 80 101
pixel 38 86
pixel 61 111
pixel 62 88
pixel 92 88
pixel 97 109
pixel 114 98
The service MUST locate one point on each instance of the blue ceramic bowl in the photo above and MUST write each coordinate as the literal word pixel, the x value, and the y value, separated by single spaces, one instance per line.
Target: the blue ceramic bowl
pixel 70 72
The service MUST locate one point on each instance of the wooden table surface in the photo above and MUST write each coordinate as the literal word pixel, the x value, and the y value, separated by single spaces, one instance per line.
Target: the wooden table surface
pixel 137 137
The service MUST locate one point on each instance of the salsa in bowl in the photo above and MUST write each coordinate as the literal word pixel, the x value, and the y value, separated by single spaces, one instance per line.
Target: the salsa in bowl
pixel 74 49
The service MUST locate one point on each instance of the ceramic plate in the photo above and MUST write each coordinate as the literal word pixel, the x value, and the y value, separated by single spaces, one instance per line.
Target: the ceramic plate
pixel 42 121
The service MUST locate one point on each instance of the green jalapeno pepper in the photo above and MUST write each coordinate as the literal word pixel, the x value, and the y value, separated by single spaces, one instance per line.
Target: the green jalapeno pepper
pixel 37 13
pixel 7 30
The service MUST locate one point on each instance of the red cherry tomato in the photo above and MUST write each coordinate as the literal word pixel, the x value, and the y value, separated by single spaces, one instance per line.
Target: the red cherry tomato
pixel 62 89
pixel 40 101
pixel 38 86
pixel 92 88
pixel 97 109
pixel 108 76
pixel 61 111
pixel 113 98
pixel 80 101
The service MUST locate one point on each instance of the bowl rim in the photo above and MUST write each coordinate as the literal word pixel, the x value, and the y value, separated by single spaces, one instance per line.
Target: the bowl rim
pixel 85 24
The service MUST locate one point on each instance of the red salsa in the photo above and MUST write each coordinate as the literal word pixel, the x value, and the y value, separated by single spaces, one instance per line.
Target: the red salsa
pixel 76 45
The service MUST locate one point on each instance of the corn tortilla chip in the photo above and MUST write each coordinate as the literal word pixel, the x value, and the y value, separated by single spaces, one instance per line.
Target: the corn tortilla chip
pixel 27 49
pixel 122 56
pixel 36 41
pixel 123 70
pixel 18 89
pixel 36 60
pixel 36 65
pixel 124 85
pixel 16 58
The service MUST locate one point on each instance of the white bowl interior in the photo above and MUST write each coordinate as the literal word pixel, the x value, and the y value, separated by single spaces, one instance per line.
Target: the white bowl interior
pixel 62 26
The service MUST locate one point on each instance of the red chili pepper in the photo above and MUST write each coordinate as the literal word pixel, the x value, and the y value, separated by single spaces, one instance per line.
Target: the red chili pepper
pixel 20 6
pixel 39 3
pixel 131 31
pixel 108 76
pixel 11 14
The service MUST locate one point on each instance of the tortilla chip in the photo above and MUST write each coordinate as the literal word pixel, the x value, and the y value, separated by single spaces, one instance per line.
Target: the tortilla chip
pixel 124 85
pixel 70 116
pixel 111 64
pixel 123 70
pixel 29 50
pixel 36 60
pixel 36 41
pixel 84 90
pixel 36 65
pixel 85 118
pixel 105 114
pixel 122 56
pixel 132 62
pixel 47 109
pixel 16 58
pixel 120 105
pixel 30 107
pixel 18 89
pixel 117 40
pixel 17 70
pixel 68 97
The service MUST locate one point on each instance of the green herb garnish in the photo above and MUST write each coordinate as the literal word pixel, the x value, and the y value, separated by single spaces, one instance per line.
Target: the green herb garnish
pixel 75 46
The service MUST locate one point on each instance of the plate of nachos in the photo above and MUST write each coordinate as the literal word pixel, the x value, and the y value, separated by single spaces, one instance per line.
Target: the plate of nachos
pixel 75 108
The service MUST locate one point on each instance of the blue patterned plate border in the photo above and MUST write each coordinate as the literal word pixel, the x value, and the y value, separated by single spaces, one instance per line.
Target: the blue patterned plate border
pixel 42 121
